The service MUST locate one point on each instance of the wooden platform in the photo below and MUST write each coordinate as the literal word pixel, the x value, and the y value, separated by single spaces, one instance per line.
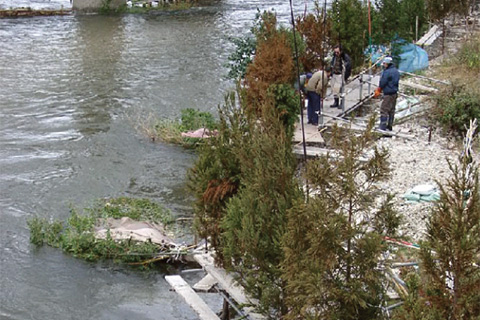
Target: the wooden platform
pixel 356 92
pixel 226 282
pixel 191 297
pixel 218 278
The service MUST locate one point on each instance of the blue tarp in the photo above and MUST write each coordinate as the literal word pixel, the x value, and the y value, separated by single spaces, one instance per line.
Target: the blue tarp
pixel 411 57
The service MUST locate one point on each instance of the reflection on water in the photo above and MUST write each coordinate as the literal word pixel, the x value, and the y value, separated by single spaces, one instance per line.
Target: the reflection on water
pixel 95 80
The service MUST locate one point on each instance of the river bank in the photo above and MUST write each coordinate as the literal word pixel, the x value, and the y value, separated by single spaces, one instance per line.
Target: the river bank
pixel 424 159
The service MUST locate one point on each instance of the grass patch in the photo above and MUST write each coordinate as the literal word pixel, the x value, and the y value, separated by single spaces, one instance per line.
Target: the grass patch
pixel 170 131
pixel 459 103
pixel 76 235
pixel 456 106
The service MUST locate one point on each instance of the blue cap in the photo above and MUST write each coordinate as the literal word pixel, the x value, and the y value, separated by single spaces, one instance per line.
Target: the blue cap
pixel 309 75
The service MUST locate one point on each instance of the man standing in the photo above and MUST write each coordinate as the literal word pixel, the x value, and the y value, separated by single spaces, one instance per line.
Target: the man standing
pixel 389 85
pixel 316 88
pixel 341 69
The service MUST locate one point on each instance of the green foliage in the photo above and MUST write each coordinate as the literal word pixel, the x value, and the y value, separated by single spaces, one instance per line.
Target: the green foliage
pixel 395 19
pixel 456 106
pixel 451 253
pixel 76 235
pixel 387 20
pixel 192 119
pixel 287 102
pixel 215 176
pixel 409 11
pixel 299 43
pixel 469 55
pixel 136 209
pixel 415 306
pixel 163 6
pixel 349 21
pixel 241 57
pixel 331 251
pixel 439 9
pixel 170 131
pixel 107 8
pixel 255 218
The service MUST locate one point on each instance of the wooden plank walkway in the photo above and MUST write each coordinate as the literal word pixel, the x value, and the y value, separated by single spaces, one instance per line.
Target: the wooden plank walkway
pixel 356 92
pixel 227 283
pixel 191 297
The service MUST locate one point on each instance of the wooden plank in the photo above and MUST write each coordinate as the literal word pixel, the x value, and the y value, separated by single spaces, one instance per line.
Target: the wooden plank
pixel 312 152
pixel 205 284
pixel 197 304
pixel 312 136
pixel 358 127
pixel 430 36
pixel 228 284
pixel 418 86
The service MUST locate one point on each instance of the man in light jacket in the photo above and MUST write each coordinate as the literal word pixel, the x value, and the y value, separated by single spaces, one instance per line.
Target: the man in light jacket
pixel 316 88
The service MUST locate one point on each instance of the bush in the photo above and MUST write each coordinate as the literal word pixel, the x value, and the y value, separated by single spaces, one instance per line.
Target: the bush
pixel 192 119
pixel 456 106
pixel 469 55
pixel 76 235
pixel 170 131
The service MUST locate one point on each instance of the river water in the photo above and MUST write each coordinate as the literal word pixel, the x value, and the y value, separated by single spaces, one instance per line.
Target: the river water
pixel 72 89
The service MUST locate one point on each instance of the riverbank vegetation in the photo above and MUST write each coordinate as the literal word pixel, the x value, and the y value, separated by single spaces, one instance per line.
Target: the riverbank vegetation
pixel 170 131
pixel 458 103
pixel 142 7
pixel 136 7
pixel 314 244
pixel 76 235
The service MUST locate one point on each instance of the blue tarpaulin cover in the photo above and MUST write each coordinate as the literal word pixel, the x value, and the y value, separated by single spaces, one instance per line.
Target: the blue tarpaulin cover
pixel 412 57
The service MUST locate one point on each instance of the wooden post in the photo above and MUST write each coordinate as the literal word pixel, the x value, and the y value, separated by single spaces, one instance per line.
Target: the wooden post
pixel 416 28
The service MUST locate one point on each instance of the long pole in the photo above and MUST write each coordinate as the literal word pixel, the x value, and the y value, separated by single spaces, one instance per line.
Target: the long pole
pixel 370 48
pixel 298 81
pixel 324 35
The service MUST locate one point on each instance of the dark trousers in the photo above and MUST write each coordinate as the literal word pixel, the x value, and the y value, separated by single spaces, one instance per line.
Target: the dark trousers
pixel 387 110
pixel 313 107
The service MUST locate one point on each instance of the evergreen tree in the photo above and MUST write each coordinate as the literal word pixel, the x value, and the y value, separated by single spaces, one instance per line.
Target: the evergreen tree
pixel 215 176
pixel 349 27
pixel 255 219
pixel 315 31
pixel 272 64
pixel 333 242
pixel 388 20
pixel 410 10
pixel 451 254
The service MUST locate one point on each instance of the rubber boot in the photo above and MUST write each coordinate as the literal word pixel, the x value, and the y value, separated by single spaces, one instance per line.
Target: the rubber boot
pixel 390 123
pixel 383 123
pixel 336 103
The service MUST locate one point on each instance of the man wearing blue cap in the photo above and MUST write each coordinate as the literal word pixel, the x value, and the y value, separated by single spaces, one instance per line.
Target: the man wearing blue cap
pixel 389 85
pixel 316 88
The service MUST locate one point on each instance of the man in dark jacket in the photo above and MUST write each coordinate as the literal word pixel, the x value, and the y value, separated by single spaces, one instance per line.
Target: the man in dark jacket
pixel 389 85
pixel 341 66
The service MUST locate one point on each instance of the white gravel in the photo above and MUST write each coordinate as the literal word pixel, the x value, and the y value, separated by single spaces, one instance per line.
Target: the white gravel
pixel 414 162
